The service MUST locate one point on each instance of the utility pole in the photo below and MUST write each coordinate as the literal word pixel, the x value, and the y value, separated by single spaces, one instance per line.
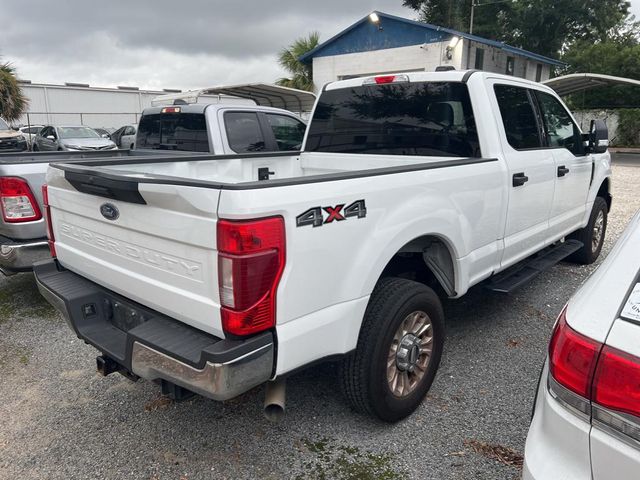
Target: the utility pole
pixel 473 7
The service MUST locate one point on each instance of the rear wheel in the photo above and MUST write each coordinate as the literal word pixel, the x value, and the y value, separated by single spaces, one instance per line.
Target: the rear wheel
pixel 592 236
pixel 398 351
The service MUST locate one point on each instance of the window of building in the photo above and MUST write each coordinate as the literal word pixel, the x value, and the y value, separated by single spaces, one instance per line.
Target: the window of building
pixel 559 127
pixel 511 66
pixel 479 59
pixel 518 117
pixel 538 72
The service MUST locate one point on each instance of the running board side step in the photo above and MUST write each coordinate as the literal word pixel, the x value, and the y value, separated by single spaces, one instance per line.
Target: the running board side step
pixel 525 271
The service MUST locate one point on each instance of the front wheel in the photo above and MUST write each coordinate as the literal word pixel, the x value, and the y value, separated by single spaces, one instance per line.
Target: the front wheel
pixel 398 351
pixel 591 236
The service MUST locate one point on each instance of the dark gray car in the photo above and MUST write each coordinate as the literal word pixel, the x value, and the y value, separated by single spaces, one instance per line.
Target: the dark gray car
pixel 71 138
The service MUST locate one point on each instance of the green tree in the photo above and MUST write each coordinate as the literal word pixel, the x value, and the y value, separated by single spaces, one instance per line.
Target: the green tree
pixel 620 57
pixel 543 26
pixel 490 20
pixel 13 103
pixel 288 58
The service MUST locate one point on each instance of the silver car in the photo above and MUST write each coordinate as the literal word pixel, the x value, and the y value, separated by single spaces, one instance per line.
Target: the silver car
pixel 71 139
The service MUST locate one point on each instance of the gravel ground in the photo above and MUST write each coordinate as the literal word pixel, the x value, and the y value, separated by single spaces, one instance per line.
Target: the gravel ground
pixel 60 420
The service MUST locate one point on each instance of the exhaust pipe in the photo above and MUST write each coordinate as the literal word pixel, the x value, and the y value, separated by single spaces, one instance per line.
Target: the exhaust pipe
pixel 274 399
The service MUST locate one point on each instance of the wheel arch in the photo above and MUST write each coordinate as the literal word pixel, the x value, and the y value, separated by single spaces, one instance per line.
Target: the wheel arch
pixel 428 259
pixel 604 191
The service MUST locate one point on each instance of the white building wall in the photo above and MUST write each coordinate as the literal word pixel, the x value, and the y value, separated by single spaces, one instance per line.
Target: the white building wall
pixel 419 58
pixel 94 107
pixel 403 59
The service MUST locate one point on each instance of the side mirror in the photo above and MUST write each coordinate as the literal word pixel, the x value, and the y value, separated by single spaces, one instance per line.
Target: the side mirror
pixel 105 135
pixel 51 137
pixel 598 136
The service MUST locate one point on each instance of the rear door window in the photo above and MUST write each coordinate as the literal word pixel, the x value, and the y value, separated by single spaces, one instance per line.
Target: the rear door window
pixel 518 117
pixel 173 131
pixel 426 118
pixel 287 130
pixel 243 132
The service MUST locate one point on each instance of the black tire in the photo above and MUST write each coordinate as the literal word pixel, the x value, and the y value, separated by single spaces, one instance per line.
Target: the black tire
pixel 35 148
pixel 590 249
pixel 363 373
pixel 131 147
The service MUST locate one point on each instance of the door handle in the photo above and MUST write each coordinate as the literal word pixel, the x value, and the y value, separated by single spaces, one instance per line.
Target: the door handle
pixel 562 171
pixel 519 179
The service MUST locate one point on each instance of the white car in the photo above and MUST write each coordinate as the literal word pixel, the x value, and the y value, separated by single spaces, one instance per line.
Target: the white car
pixel 30 132
pixel 586 424
pixel 125 137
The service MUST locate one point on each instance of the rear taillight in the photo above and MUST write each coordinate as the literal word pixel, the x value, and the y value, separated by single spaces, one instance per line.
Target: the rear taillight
pixel 616 384
pixel 17 201
pixel 47 213
pixel 572 358
pixel 595 379
pixel 251 258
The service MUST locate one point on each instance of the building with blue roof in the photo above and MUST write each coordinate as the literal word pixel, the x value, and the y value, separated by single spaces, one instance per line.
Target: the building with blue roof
pixel 381 43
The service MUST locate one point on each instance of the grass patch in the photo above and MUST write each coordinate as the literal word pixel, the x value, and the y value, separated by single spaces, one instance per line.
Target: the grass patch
pixel 13 356
pixel 332 460
pixel 19 297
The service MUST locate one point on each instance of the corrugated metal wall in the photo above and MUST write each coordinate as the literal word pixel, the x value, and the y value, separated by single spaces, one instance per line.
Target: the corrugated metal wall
pixel 94 107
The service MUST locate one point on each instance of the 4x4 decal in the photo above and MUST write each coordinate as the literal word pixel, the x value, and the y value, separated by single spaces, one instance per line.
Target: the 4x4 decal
pixel 314 216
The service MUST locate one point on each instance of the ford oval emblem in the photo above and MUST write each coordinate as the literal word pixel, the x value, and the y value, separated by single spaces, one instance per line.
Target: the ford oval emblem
pixel 109 211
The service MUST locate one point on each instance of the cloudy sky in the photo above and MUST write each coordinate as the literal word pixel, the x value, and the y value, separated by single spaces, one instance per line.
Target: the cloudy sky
pixel 168 43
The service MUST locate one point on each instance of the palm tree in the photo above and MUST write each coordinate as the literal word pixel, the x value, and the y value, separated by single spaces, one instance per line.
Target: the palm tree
pixel 13 102
pixel 288 58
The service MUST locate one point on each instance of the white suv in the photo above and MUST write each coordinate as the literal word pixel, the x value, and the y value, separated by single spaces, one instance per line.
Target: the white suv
pixel 586 423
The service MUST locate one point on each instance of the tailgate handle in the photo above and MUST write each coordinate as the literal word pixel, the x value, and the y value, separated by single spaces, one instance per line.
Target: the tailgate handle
pixel 94 184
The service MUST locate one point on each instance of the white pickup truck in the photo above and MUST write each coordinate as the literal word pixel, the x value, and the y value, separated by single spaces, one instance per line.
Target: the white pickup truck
pixel 217 274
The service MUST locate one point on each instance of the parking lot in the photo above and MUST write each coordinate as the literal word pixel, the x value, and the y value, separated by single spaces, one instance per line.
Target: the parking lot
pixel 61 420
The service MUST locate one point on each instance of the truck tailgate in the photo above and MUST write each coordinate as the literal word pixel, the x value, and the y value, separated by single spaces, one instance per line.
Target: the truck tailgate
pixel 160 253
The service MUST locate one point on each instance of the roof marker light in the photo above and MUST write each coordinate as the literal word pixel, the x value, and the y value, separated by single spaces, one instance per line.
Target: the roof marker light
pixel 373 16
pixel 383 79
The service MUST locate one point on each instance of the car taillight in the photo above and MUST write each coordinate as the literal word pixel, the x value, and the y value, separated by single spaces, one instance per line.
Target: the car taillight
pixel 572 358
pixel 17 201
pixel 47 212
pixel 251 258
pixel 595 379
pixel 616 383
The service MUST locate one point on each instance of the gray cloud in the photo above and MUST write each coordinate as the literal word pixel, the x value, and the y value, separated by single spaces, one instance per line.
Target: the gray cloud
pixel 164 43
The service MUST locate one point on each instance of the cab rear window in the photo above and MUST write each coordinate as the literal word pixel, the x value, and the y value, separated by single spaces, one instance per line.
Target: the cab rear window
pixel 173 131
pixel 427 118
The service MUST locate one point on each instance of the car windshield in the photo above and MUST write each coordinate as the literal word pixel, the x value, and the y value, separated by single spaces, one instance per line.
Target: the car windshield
pixel 3 125
pixel 77 132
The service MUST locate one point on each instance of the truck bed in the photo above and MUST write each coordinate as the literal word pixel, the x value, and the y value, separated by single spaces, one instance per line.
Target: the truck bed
pixel 244 172
pixel 159 247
